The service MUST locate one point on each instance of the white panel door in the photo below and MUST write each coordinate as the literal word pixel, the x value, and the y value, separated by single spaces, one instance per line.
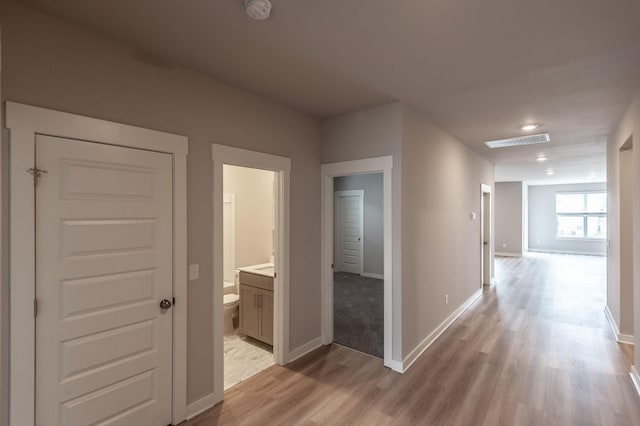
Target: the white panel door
pixel 350 231
pixel 103 265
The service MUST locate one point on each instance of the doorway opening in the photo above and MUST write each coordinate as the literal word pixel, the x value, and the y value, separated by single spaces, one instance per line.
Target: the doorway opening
pixel 358 259
pixel 486 265
pixel 250 264
pixel 248 271
pixel 379 165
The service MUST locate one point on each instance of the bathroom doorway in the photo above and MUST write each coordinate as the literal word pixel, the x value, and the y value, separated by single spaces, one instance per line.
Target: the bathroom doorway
pixel 248 271
pixel 358 259
pixel 250 287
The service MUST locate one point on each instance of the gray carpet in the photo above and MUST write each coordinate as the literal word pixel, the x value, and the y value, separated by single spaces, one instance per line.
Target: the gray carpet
pixel 358 313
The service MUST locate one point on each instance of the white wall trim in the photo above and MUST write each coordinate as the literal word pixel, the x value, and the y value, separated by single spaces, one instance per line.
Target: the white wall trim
pixel 621 338
pixel 370 275
pixel 635 379
pixel 345 168
pixel 433 336
pixel 587 253
pixel 221 155
pixel 200 406
pixel 25 122
pixel 304 349
pixel 507 254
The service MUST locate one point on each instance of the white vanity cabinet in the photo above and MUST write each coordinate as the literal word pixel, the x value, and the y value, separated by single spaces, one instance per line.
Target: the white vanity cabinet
pixel 256 306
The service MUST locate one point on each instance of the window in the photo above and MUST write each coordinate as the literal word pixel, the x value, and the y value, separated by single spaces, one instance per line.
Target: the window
pixel 581 215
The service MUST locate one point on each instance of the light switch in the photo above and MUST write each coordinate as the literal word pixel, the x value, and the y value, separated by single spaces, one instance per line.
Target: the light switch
pixel 194 272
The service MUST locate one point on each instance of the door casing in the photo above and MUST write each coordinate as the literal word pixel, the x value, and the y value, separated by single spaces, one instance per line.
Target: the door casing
pixel 24 122
pixel 221 155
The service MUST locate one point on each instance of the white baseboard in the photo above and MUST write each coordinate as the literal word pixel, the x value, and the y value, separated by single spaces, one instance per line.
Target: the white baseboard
pixel 201 405
pixel 301 351
pixel 428 341
pixel 587 253
pixel 376 276
pixel 635 378
pixel 621 338
pixel 395 366
pixel 507 254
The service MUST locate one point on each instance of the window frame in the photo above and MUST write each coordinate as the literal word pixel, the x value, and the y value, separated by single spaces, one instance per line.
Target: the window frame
pixel 585 216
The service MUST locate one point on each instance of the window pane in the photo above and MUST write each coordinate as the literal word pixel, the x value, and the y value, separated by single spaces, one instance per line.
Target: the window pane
pixel 570 226
pixel 596 226
pixel 569 203
pixel 597 203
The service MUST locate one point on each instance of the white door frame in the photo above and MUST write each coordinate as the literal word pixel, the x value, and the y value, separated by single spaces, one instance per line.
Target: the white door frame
pixel 485 189
pixel 328 172
pixel 351 193
pixel 25 122
pixel 221 155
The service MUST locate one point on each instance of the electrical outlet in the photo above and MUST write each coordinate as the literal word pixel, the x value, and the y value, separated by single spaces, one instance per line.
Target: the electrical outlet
pixel 446 299
pixel 194 272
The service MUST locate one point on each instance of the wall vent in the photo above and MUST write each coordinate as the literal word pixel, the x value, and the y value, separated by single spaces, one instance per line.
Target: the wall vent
pixel 520 140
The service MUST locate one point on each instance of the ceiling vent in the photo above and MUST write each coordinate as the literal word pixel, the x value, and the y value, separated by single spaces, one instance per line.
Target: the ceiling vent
pixel 520 140
pixel 258 9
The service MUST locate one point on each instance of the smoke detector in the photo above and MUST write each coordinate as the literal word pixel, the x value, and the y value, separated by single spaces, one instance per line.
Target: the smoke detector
pixel 258 9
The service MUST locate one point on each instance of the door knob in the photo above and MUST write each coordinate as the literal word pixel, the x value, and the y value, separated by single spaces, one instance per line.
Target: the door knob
pixel 165 304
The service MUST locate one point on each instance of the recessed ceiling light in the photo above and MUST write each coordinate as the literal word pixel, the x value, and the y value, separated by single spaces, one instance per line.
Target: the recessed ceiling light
pixel 550 172
pixel 258 9
pixel 529 127
pixel 519 140
pixel 541 158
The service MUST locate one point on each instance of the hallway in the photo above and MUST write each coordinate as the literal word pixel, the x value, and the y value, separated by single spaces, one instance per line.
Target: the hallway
pixel 534 349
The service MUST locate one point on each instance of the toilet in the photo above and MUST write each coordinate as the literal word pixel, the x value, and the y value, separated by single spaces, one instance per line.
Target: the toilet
pixel 231 302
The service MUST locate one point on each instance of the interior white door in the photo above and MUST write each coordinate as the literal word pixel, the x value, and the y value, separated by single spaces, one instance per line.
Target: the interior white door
pixel 350 224
pixel 103 266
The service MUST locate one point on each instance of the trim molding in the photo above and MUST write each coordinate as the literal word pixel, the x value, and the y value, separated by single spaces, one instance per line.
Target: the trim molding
pixel 506 254
pixel 304 349
pixel 588 253
pixel 428 341
pixel 376 276
pixel 200 406
pixel 635 379
pixel 620 338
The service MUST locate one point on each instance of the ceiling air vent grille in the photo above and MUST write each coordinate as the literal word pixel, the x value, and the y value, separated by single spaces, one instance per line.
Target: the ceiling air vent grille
pixel 520 140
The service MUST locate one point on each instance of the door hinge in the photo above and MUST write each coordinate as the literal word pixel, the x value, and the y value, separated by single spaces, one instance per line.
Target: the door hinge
pixel 174 301
pixel 35 308
pixel 36 173
pixel 332 266
pixel 275 275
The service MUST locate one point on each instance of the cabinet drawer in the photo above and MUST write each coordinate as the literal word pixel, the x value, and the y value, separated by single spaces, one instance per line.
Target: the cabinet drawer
pixel 254 280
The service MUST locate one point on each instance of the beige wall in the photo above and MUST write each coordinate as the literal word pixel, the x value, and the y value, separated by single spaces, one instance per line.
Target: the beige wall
pixel 253 189
pixel 51 64
pixel 627 129
pixel 509 217
pixel 371 133
pixel 441 181
pixel 4 288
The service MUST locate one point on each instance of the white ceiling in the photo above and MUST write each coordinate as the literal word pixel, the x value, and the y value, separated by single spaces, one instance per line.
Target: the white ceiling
pixel 477 68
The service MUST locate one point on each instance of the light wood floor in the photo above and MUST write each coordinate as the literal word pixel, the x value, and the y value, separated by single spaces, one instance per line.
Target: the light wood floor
pixel 535 349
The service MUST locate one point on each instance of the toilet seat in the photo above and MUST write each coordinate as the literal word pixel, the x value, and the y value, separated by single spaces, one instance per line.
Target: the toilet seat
pixel 231 299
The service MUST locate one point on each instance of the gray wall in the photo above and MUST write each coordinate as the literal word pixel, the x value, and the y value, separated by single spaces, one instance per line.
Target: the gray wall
pixel 441 245
pixel 509 218
pixel 542 221
pixel 628 130
pixel 372 133
pixel 49 63
pixel 373 245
